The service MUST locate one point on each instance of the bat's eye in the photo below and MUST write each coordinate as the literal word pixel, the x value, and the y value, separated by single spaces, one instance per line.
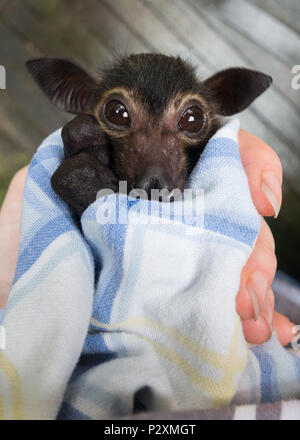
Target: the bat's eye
pixel 116 113
pixel 192 120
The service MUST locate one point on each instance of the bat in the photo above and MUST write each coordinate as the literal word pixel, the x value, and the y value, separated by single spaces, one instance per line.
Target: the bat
pixel 145 120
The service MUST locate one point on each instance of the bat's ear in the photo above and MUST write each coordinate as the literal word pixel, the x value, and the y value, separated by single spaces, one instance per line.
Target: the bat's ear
pixel 235 89
pixel 68 86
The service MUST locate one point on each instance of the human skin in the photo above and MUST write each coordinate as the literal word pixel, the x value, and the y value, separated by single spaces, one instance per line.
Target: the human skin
pixel 255 298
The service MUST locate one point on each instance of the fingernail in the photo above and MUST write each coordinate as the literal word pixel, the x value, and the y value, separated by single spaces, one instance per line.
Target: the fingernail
pixel 271 187
pixel 267 314
pixel 257 287
pixel 254 300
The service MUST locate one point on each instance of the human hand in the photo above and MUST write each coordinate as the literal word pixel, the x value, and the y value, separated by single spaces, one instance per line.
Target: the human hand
pixel 255 299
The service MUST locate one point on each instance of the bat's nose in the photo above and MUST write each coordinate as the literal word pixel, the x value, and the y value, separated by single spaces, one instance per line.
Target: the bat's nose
pixel 155 178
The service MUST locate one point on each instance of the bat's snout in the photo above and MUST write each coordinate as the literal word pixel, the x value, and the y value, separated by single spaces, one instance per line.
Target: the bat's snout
pixel 156 183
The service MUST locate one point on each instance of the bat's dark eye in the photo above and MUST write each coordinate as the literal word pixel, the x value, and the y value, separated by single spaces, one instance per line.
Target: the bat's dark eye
pixel 192 120
pixel 116 113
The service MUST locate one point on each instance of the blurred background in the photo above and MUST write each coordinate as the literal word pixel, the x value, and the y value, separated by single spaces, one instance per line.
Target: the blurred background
pixel 212 34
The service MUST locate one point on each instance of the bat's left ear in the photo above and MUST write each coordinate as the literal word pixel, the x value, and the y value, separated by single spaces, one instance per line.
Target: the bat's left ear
pixel 235 89
pixel 68 86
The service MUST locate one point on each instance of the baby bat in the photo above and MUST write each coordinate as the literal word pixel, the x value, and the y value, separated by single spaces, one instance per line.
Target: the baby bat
pixel 145 120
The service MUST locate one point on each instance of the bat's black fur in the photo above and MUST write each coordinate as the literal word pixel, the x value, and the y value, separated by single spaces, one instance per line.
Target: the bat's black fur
pixel 156 148
pixel 156 78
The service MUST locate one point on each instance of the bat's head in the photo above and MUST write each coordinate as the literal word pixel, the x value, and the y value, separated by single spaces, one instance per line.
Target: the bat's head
pixel 156 115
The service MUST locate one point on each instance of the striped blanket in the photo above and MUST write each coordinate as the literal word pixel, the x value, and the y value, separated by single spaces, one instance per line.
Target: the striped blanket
pixel 133 309
pixel 281 410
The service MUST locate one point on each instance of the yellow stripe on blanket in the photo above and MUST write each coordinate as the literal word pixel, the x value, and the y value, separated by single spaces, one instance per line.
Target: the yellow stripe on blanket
pixel 13 377
pixel 230 364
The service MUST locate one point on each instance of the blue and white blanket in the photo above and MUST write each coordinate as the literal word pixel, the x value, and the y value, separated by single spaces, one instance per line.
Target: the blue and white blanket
pixel 135 308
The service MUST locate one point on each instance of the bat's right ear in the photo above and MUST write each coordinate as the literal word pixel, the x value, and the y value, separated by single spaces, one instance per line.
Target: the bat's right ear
pixel 234 89
pixel 68 86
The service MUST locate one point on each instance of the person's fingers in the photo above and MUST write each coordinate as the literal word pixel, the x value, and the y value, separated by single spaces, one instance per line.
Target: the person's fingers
pixel 10 216
pixel 284 328
pixel 264 172
pixel 258 333
pixel 257 276
pixel 260 330
pixel 255 299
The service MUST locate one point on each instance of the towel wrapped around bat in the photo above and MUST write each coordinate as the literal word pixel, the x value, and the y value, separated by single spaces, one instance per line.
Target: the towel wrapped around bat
pixel 134 309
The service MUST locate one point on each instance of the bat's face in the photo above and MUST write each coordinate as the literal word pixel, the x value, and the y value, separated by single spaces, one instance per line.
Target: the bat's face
pixel 154 149
pixel 154 114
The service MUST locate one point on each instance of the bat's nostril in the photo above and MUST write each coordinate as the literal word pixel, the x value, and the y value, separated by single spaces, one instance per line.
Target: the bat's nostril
pixel 156 184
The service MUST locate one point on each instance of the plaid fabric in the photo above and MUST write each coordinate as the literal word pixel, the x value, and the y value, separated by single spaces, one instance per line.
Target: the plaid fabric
pixel 136 310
